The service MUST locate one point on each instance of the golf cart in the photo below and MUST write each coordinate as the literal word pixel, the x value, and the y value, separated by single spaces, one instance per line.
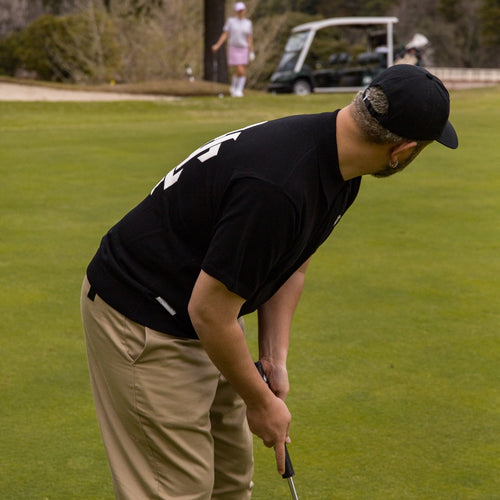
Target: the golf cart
pixel 327 56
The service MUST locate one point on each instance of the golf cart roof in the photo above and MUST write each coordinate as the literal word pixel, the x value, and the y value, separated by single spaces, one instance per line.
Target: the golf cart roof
pixel 344 21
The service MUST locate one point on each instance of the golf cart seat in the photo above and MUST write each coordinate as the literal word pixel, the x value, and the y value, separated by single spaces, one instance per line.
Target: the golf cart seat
pixel 341 59
pixel 373 59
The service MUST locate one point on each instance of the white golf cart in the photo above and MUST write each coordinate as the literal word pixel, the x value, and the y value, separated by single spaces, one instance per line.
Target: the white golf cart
pixel 335 55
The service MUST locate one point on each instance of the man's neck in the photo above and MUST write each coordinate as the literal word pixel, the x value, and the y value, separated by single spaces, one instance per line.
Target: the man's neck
pixel 357 157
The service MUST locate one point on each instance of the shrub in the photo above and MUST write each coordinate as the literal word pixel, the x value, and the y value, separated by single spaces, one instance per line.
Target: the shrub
pixel 33 49
pixel 9 60
pixel 86 48
pixel 80 47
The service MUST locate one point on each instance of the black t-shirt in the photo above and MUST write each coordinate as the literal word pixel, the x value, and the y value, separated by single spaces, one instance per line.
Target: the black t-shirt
pixel 248 208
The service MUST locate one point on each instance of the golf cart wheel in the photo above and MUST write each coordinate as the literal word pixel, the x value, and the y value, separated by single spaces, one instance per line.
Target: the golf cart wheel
pixel 302 87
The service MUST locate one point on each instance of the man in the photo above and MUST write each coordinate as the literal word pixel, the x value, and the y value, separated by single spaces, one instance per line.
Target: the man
pixel 228 231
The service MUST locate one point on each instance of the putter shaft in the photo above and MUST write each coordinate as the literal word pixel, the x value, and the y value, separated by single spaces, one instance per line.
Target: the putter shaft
pixel 293 491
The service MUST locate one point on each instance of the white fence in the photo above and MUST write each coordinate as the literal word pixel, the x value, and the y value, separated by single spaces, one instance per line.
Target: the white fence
pixel 466 75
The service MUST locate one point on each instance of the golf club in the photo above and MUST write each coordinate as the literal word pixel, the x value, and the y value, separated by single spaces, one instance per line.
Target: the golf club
pixel 289 472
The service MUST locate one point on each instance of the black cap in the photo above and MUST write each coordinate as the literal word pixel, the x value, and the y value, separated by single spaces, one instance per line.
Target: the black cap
pixel 419 105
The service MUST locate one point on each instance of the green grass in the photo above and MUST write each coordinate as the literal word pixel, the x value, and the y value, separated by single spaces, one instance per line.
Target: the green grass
pixel 395 355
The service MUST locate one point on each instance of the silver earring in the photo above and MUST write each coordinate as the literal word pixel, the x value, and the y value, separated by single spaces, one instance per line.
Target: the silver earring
pixel 394 163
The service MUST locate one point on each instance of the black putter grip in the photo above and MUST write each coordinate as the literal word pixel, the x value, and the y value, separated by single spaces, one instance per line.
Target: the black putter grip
pixel 289 472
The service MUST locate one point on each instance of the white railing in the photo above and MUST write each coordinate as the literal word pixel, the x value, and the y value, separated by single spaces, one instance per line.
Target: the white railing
pixel 484 75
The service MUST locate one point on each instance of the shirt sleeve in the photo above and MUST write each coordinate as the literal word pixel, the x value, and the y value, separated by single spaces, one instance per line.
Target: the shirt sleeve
pixel 254 232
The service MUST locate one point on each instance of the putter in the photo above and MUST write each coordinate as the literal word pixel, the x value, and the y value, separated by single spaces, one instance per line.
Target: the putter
pixel 289 472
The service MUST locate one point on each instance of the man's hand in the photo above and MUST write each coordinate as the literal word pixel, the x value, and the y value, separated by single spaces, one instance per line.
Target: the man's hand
pixel 271 422
pixel 277 378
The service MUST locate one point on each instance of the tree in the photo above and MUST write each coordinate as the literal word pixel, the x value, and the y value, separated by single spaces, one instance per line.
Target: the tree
pixel 341 8
pixel 15 15
pixel 156 39
pixel 490 17
pixel 138 7
pixel 215 65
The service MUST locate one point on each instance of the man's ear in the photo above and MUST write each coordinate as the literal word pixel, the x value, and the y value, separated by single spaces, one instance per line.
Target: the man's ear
pixel 399 148
pixel 402 146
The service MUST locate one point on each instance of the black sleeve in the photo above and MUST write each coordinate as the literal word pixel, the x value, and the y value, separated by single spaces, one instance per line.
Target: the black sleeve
pixel 256 227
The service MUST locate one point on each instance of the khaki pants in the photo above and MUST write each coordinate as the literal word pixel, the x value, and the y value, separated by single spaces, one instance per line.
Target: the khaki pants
pixel 172 427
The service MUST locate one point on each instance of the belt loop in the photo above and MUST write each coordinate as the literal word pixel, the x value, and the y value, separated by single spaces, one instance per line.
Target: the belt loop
pixel 92 293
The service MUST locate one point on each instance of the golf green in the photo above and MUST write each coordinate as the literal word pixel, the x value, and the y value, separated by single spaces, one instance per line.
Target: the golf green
pixel 395 353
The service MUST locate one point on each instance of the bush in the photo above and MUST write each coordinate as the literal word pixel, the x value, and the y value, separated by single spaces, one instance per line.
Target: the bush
pixel 86 49
pixel 33 52
pixel 9 60
pixel 78 48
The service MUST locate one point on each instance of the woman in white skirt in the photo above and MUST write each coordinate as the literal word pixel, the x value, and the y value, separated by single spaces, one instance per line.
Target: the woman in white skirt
pixel 238 33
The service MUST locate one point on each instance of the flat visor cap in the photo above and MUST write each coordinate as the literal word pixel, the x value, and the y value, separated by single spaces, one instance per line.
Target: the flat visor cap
pixel 419 105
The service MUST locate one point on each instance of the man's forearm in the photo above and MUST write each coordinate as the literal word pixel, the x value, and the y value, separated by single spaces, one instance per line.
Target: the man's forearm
pixel 275 320
pixel 275 317
pixel 213 310
pixel 227 348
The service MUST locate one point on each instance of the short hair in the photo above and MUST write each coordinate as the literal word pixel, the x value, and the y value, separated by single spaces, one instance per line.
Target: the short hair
pixel 370 127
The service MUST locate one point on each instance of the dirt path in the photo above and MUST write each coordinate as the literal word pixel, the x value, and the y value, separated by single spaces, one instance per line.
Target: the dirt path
pixel 16 92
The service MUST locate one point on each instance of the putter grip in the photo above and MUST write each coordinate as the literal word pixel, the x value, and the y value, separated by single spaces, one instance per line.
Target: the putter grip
pixel 289 472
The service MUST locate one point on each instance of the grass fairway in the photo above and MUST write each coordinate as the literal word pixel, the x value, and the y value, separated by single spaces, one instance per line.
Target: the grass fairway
pixel 395 356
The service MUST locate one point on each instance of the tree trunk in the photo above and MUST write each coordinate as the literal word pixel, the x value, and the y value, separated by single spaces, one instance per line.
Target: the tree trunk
pixel 215 65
